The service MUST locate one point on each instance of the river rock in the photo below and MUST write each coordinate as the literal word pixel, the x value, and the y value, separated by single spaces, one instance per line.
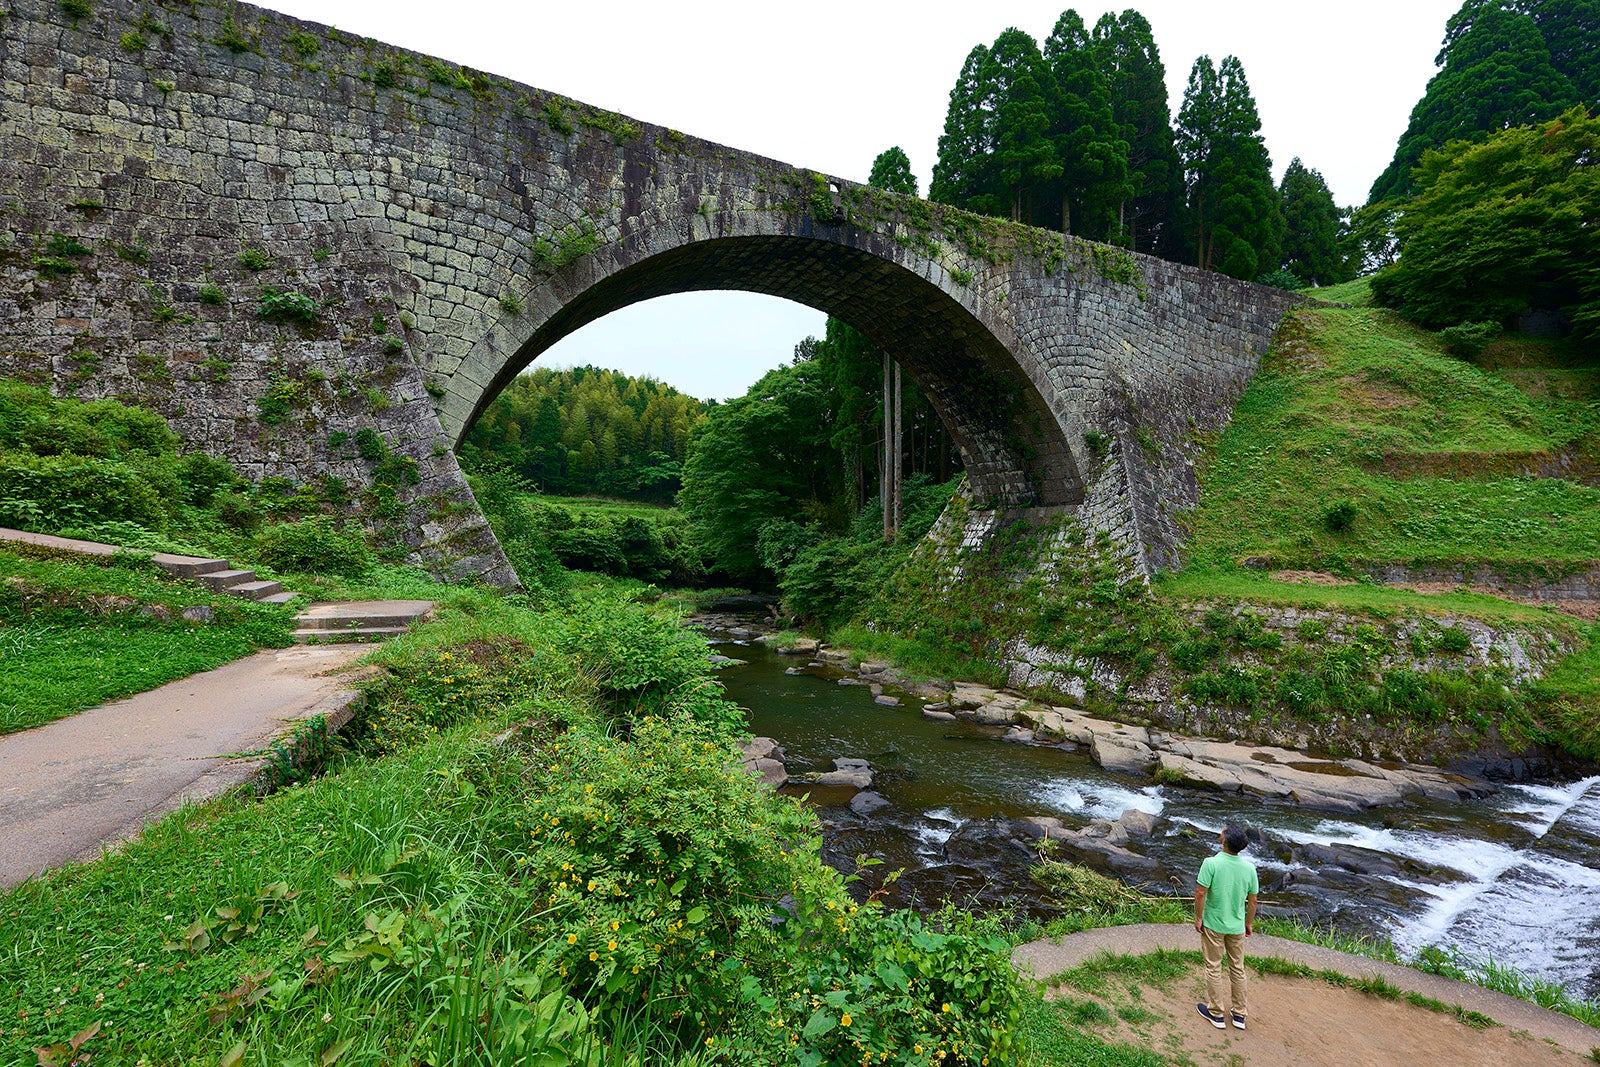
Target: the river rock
pixel 1037 826
pixel 886 701
pixel 771 772
pixel 761 748
pixel 1121 753
pixel 1138 823
pixel 1019 735
pixel 932 712
pixel 842 779
pixel 866 802
pixel 851 773
pixel 968 697
pixel 851 681
pixel 995 714
pixel 794 670
pixel 719 660
pixel 802 646
pixel 833 655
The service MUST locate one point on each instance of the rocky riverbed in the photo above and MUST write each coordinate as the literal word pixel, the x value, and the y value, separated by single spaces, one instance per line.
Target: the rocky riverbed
pixel 958 788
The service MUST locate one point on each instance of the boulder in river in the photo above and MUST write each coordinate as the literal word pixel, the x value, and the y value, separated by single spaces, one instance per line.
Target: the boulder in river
pixel 866 802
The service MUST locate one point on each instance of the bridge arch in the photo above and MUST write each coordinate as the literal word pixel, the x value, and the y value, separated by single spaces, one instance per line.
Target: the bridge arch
pixel 1011 445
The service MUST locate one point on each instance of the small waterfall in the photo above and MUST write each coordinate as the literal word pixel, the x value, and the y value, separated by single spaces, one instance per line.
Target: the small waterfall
pixel 1530 907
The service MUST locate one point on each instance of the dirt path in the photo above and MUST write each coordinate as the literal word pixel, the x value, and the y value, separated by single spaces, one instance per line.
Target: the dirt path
pixel 1306 1021
pixel 71 787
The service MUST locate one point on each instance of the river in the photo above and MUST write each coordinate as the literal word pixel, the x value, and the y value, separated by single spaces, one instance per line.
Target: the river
pixel 1515 877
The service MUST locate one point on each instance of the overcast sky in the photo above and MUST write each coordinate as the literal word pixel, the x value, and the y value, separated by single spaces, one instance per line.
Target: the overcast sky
pixel 829 86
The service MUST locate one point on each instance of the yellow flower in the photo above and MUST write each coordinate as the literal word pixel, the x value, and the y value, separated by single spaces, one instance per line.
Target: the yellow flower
pixel 611 946
pixel 593 956
pixel 572 939
pixel 844 1020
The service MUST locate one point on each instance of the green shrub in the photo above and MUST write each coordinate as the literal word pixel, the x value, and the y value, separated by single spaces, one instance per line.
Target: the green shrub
pixel 938 991
pixel 314 546
pixel 254 259
pixel 63 491
pixel 210 293
pixel 1340 515
pixel 287 306
pixel 202 475
pixel 641 664
pixel 1470 338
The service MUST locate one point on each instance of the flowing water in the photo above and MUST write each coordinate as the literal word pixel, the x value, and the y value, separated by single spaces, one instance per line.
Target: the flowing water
pixel 1515 877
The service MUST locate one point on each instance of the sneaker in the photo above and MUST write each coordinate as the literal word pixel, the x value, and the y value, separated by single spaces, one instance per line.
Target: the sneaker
pixel 1218 1021
pixel 1238 1021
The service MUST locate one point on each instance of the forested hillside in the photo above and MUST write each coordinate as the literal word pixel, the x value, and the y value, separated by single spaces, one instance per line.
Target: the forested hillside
pixel 587 430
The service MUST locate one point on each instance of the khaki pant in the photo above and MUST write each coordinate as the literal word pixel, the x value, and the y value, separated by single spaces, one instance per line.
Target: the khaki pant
pixel 1212 948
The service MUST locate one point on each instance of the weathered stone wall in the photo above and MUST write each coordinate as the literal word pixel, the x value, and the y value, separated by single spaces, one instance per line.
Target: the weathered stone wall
pixel 450 226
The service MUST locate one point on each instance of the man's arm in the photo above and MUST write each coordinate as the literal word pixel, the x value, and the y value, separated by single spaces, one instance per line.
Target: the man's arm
pixel 1250 915
pixel 1200 906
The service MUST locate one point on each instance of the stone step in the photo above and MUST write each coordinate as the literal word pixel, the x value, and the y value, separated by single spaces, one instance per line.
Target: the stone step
pixel 188 566
pixel 254 590
pixel 279 598
pixel 360 633
pixel 363 615
pixel 353 622
pixel 221 580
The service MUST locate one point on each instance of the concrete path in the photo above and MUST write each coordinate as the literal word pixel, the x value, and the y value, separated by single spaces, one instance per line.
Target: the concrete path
pixel 1041 959
pixel 70 787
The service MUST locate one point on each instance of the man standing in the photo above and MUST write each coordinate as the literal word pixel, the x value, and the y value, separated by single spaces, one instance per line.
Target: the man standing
pixel 1224 915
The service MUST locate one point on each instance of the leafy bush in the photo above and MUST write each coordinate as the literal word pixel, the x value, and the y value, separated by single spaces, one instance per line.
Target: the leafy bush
pixel 1282 279
pixel 1469 339
pixel 202 476
pixel 1340 515
pixel 929 992
pixel 642 664
pixel 314 546
pixel 277 305
pixel 64 491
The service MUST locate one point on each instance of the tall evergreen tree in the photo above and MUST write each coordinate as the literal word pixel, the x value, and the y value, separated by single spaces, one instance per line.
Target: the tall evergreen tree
pixel 1571 30
pixel 963 175
pixel 1310 227
pixel 1088 142
pixel 892 171
pixel 1233 205
pixel 1137 82
pixel 1024 157
pixel 1495 72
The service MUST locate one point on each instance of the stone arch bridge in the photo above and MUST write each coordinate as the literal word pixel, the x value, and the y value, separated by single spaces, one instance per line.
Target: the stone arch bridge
pixel 168 167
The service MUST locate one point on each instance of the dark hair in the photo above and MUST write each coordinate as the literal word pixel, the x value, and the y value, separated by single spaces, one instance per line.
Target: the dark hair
pixel 1234 839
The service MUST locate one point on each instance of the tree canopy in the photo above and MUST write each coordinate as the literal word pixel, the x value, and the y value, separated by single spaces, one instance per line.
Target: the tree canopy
pixel 1496 71
pixel 1311 228
pixel 1234 222
pixel 892 171
pixel 587 430
pixel 1089 144
pixel 1503 226
pixel 1150 217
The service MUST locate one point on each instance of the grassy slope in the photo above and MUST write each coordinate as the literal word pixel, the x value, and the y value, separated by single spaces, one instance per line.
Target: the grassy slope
pixel 72 635
pixel 1355 406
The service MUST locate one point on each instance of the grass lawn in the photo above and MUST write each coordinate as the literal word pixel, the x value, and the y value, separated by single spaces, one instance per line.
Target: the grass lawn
pixel 1362 441
pixel 72 634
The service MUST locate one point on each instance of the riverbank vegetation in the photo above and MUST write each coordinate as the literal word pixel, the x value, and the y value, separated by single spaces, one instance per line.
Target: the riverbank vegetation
pixel 535 848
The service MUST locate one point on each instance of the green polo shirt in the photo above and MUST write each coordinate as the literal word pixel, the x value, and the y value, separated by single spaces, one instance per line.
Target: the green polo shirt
pixel 1229 881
